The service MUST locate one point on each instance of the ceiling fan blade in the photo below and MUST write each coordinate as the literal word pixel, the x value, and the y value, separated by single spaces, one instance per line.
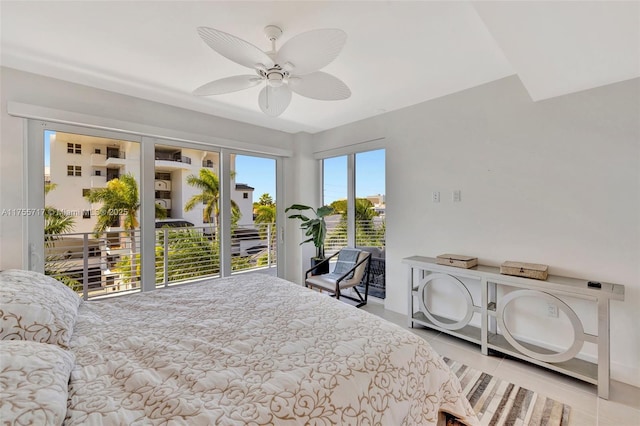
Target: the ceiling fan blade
pixel 227 85
pixel 320 85
pixel 234 48
pixel 274 100
pixel 310 51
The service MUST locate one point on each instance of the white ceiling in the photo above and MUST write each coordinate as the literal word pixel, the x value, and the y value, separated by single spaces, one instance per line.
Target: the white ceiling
pixel 397 53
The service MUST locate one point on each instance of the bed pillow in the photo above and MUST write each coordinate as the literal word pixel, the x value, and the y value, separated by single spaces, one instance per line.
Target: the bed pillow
pixel 34 383
pixel 36 307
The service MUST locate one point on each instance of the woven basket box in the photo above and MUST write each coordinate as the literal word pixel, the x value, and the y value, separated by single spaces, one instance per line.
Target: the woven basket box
pixel 457 260
pixel 527 270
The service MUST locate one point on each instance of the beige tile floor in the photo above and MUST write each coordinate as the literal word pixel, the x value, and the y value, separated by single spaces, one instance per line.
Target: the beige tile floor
pixel 622 409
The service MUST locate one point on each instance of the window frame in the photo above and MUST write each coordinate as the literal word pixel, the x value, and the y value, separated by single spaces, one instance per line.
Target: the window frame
pixel 350 151
pixel 40 119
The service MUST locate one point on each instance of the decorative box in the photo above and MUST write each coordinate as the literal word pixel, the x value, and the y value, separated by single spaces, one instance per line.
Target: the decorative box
pixel 457 260
pixel 527 270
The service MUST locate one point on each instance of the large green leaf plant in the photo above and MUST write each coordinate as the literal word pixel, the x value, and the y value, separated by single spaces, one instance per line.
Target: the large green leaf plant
pixel 315 227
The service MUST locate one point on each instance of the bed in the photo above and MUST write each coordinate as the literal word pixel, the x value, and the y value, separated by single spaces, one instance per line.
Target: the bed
pixel 248 349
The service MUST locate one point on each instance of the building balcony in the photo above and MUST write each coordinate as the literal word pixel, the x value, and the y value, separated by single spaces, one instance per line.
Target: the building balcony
pixel 209 164
pixel 179 162
pixel 98 181
pixel 162 185
pixel 164 203
pixel 115 159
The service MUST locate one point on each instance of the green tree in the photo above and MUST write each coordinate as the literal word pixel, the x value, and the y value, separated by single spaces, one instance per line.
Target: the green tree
pixel 265 200
pixel 120 199
pixel 367 234
pixel 190 254
pixel 364 209
pixel 55 221
pixel 265 218
pixel 208 182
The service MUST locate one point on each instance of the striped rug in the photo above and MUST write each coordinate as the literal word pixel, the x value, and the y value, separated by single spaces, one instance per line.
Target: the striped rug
pixel 498 402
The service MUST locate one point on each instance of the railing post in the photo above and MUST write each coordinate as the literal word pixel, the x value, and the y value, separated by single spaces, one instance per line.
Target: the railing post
pixel 268 245
pixel 165 256
pixel 85 266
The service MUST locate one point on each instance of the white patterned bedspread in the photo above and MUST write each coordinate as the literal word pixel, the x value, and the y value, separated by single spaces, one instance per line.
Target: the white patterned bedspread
pixel 251 349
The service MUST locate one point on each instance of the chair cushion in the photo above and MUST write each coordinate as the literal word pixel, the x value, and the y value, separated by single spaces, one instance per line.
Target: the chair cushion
pixel 322 281
pixel 328 281
pixel 347 258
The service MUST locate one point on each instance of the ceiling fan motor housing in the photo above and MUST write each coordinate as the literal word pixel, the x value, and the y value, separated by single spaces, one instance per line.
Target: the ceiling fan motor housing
pixel 275 76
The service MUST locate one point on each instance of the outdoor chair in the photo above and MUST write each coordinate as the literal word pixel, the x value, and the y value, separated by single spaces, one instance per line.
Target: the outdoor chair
pixel 351 268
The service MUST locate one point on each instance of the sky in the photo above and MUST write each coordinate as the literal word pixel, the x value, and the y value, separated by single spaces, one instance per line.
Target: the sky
pixel 47 156
pixel 259 173
pixel 370 176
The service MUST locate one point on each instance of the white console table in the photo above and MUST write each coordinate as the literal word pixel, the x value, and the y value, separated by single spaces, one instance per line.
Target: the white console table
pixel 424 270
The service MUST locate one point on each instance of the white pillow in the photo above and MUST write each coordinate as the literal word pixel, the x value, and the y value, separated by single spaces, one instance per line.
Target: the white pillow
pixel 34 382
pixel 36 307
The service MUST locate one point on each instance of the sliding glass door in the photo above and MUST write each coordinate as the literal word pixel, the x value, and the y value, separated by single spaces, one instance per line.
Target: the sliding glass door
pixel 254 214
pixel 111 213
pixel 354 186
pixel 86 232
pixel 187 202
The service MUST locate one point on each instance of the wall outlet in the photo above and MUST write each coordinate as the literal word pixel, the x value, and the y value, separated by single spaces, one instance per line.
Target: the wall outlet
pixel 435 196
pixel 552 310
pixel 457 196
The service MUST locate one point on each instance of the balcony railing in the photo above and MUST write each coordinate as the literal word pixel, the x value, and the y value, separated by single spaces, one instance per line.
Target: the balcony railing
pixel 173 157
pixel 370 233
pixel 116 154
pixel 109 265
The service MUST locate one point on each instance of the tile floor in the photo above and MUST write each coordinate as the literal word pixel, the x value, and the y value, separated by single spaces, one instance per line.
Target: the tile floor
pixel 622 409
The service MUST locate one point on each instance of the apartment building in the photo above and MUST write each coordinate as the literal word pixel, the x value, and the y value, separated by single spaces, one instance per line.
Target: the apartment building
pixel 79 163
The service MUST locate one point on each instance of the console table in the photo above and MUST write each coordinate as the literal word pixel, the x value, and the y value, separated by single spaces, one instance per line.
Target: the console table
pixel 424 270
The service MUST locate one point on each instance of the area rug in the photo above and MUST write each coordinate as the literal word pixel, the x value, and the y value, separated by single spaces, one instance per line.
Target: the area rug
pixel 498 402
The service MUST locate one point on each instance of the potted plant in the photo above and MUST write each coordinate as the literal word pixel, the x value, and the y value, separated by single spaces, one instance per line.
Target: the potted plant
pixel 316 230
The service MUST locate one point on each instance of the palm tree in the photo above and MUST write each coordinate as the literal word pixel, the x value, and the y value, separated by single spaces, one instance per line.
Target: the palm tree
pixel 120 198
pixel 55 221
pixel 209 184
pixel 265 216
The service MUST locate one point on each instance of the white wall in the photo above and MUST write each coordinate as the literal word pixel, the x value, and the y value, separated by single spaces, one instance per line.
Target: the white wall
pixel 26 88
pixel 554 182
pixel 301 187
pixel 244 204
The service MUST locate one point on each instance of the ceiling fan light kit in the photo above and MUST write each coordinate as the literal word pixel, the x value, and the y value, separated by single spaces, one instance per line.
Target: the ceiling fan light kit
pixel 292 69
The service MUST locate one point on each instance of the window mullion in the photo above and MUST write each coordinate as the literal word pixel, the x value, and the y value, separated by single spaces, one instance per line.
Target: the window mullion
pixel 351 200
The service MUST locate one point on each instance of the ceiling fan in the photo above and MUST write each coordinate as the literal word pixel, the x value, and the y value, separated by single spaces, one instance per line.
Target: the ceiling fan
pixel 292 68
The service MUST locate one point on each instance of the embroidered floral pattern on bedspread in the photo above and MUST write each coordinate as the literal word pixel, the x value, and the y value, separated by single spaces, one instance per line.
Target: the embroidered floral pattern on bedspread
pixel 33 383
pixel 36 307
pixel 251 350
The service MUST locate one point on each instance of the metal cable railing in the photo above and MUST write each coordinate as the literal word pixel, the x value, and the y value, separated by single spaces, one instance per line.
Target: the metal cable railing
pixel 370 233
pixel 110 264
pixel 95 266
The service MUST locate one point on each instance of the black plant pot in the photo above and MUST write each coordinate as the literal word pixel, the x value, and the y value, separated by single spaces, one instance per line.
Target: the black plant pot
pixel 322 269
